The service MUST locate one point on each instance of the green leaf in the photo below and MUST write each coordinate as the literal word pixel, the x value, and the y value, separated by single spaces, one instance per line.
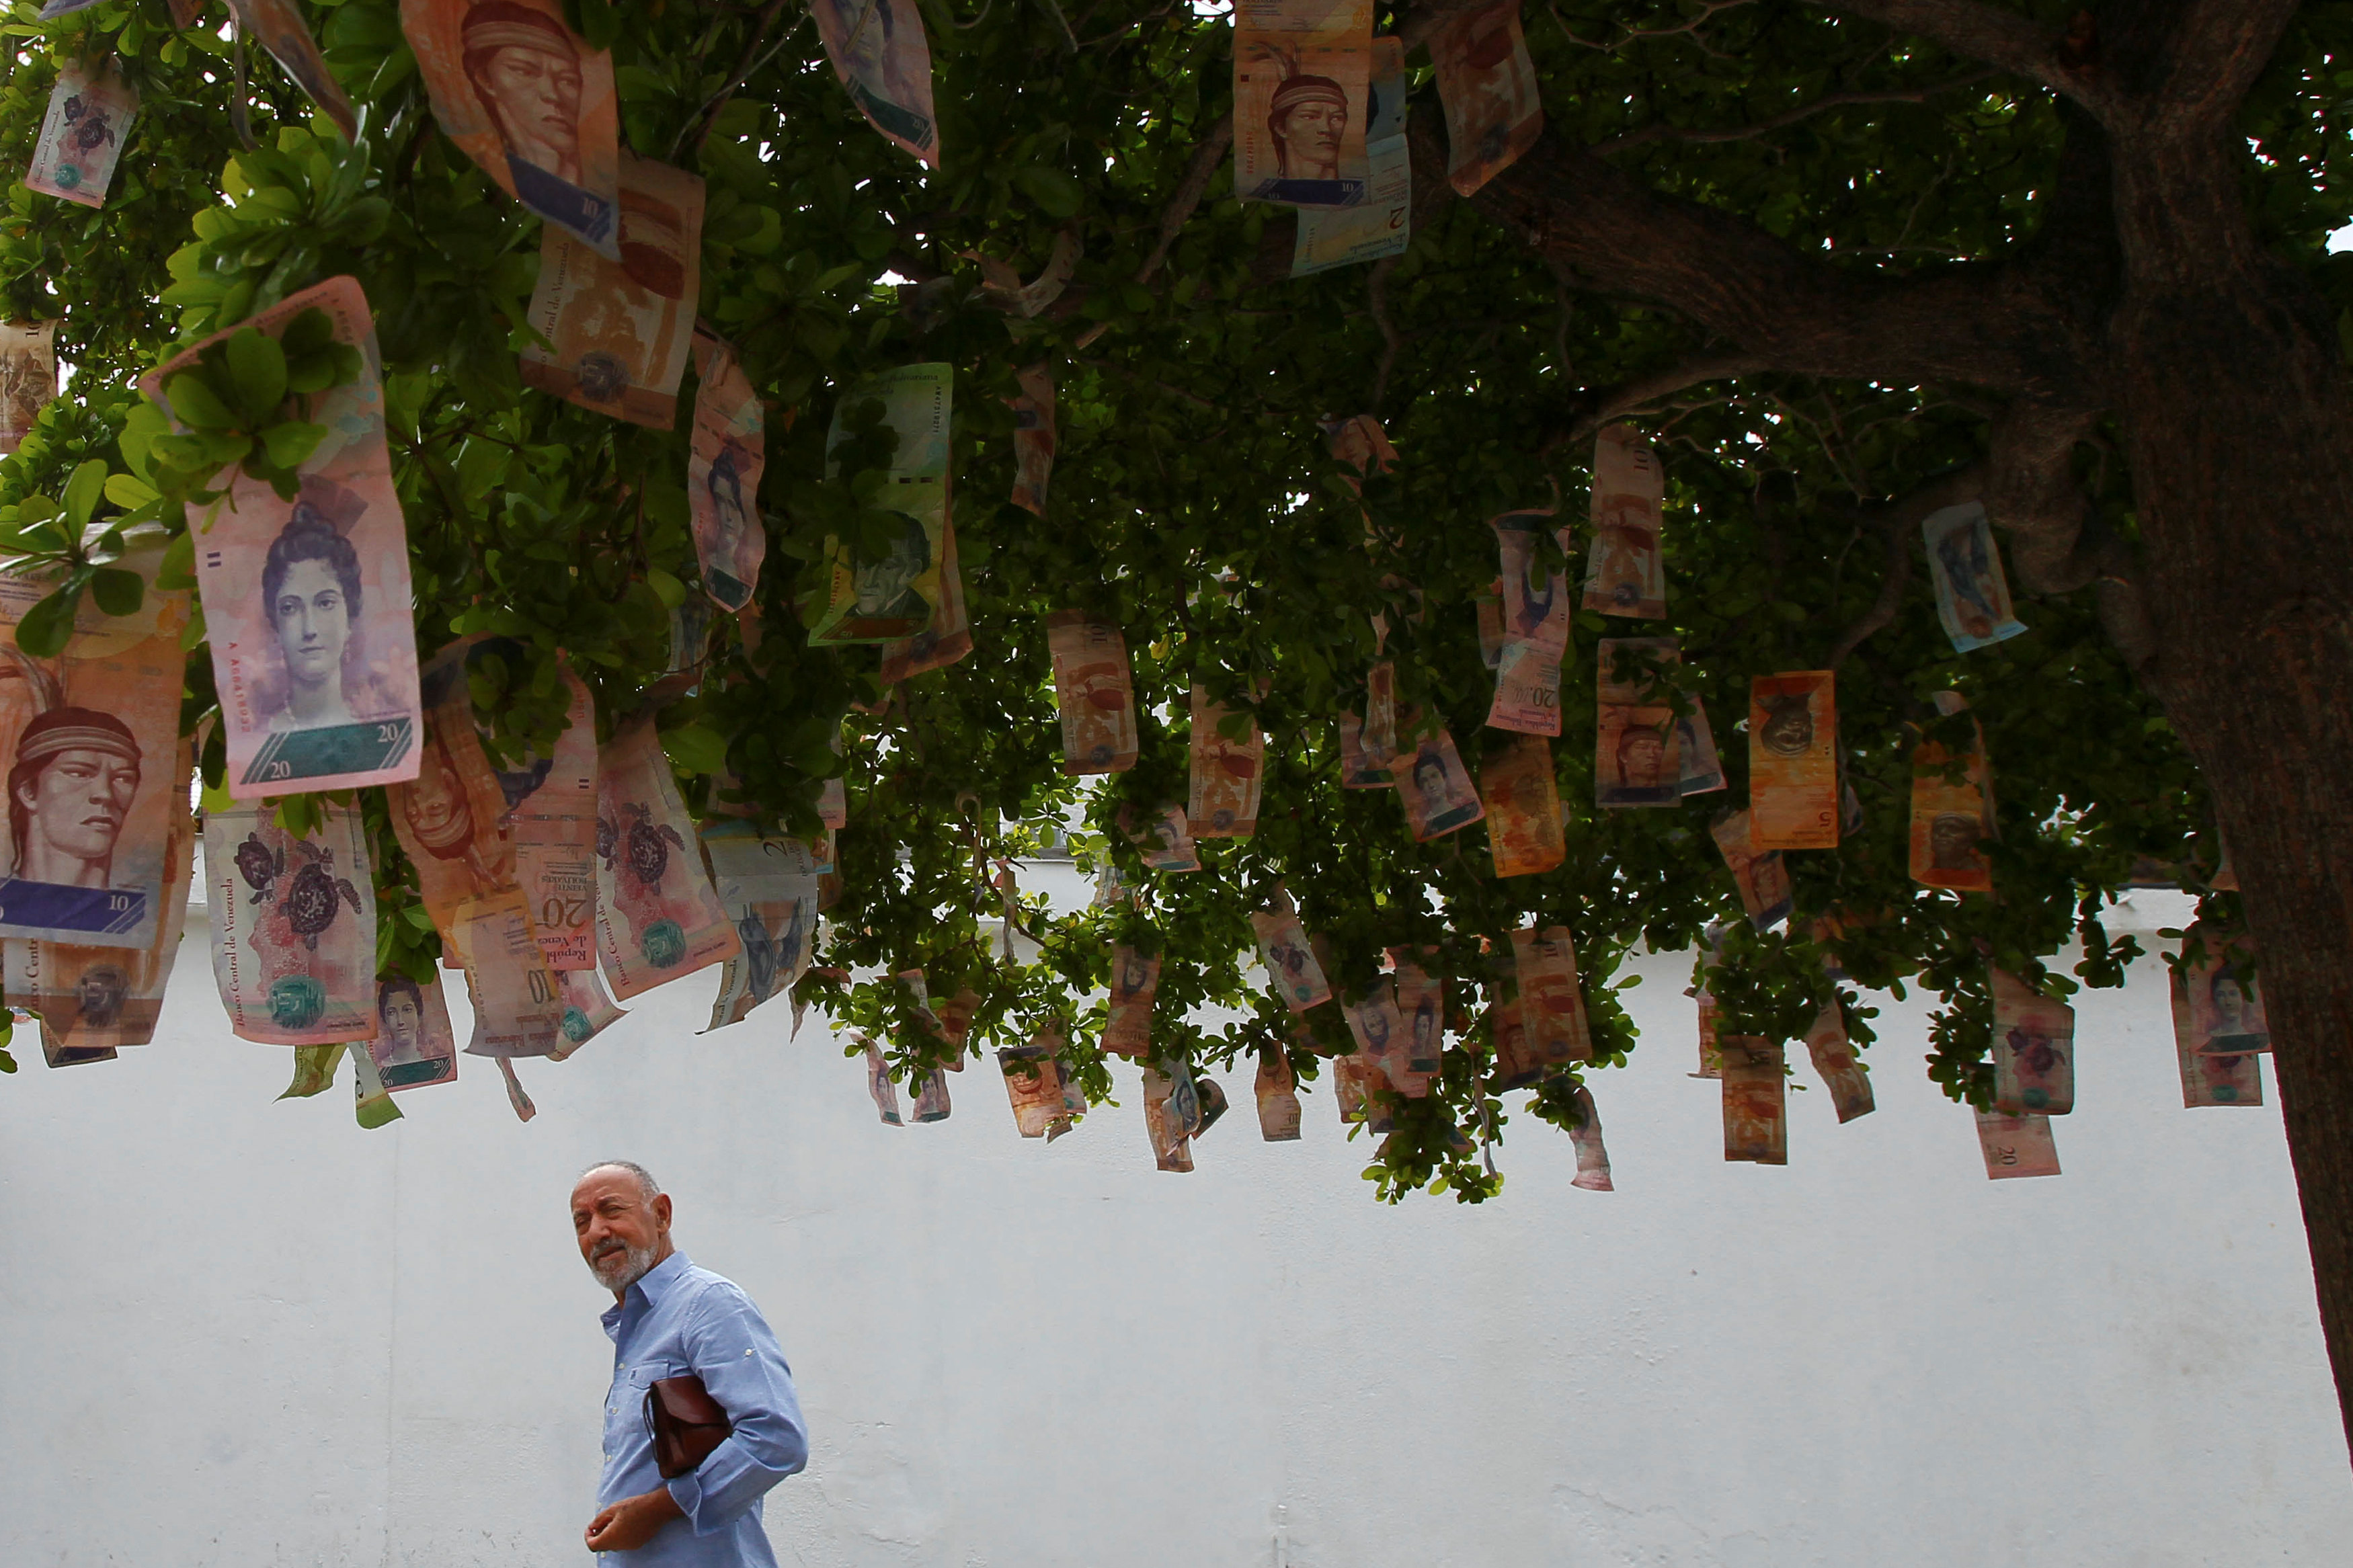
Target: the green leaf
pixel 118 591
pixel 196 404
pixel 288 445
pixel 84 490
pixel 258 367
pixel 1056 194
pixel 44 631
pixel 130 493
pixel 178 569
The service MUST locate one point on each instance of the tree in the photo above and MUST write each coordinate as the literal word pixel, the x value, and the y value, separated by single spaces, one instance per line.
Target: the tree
pixel 1844 260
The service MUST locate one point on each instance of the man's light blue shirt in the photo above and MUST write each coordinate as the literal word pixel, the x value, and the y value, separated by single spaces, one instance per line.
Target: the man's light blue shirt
pixel 681 1319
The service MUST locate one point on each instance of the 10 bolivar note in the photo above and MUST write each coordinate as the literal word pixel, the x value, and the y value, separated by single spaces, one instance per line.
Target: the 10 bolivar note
pixel 308 603
pixel 91 739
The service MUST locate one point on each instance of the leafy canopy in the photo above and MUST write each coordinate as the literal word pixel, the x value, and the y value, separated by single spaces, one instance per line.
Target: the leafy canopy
pixel 1193 501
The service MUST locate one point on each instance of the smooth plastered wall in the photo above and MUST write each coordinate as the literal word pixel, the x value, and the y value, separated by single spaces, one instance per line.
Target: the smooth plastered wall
pixel 236 1331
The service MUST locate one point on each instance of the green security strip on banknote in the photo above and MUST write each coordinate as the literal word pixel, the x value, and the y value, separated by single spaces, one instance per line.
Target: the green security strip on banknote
pixel 369 747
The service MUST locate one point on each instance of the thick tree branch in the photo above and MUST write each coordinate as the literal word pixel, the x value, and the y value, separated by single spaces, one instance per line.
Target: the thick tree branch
pixel 1615 402
pixel 1982 324
pixel 1647 134
pixel 1999 37
pixel 2186 67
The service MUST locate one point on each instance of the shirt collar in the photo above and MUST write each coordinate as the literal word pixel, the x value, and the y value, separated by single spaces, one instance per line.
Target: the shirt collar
pixel 651 1288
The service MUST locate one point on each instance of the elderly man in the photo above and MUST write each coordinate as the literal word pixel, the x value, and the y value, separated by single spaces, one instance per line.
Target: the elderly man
pixel 669 1319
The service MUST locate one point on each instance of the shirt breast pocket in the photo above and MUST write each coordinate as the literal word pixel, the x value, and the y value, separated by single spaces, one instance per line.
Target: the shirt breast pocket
pixel 625 1414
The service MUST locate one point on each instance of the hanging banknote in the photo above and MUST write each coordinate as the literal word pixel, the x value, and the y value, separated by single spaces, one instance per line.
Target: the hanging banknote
pixel 28 378
pixel 2016 1145
pixel 1352 1078
pixel 1624 575
pixel 1225 770
pixel 2209 1079
pixel 415 1044
pixel 92 742
pixel 1164 839
pixel 1551 1002
pixel 768 887
pixel 1358 770
pixel 657 915
pixel 518 1002
pixel 449 818
pixel 1133 980
pixel 1763 881
pixel 526 98
pixel 102 997
pixel 1637 750
pixel 1972 594
pixel 1834 1062
pixel 2033 1050
pixel 1172 1150
pixel 1302 69
pixel 1535 631
pixel 879 51
pixel 1277 1097
pixel 588 1010
pixel 949 637
pixel 88 125
pixel 1291 962
pixel 877 598
pixel 1487 85
pixel 1383 225
pixel 1952 812
pixel 1793 761
pixel 551 816
pixel 279 26
pixel 1379 1032
pixel 517 1100
pixel 1094 693
pixel 1592 1156
pixel 1700 773
pixel 1523 805
pixel 617 330
pixel 1033 1082
pixel 1033 437
pixel 2226 1004
pixel 372 1104
pixel 1756 1124
pixel 879 1085
pixel 931 1101
pixel 1436 788
pixel 1711 956
pixel 1421 1002
pixel 723 475
pixel 293 924
pixel 308 605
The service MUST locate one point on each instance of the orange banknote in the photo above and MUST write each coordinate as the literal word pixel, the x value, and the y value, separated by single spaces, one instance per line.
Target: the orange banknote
pixel 1793 761
pixel 1524 828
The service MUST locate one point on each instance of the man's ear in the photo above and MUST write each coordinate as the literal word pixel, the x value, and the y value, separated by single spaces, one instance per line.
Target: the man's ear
pixel 661 1210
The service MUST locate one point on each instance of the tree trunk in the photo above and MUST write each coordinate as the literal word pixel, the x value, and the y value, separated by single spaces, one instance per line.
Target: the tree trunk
pixel 2240 425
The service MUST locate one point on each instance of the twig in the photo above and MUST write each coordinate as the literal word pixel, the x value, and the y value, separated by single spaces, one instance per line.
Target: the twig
pixel 1900 521
pixel 1206 156
pixel 744 66
pixel 1376 294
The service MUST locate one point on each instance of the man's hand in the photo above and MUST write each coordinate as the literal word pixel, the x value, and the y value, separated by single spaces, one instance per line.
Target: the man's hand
pixel 631 1523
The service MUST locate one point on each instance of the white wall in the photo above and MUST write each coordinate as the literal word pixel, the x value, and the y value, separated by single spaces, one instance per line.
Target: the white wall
pixel 240 1332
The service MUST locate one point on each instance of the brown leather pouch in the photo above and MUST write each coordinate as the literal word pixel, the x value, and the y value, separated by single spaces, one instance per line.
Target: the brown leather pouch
pixel 686 1423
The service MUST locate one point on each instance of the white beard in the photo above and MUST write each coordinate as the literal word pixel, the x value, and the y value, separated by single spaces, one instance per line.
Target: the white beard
pixel 616 1271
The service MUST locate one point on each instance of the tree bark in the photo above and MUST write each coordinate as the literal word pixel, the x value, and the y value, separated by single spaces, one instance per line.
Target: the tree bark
pixel 2239 427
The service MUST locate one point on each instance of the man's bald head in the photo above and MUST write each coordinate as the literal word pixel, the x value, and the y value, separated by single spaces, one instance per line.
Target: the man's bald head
pixel 645 1178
